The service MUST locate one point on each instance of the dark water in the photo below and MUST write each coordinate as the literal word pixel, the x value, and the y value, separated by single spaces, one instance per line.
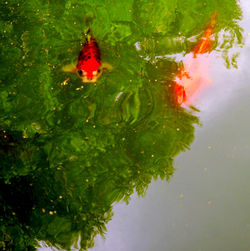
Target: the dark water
pixel 68 152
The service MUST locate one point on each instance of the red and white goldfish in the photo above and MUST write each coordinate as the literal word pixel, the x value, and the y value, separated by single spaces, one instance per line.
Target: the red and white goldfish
pixel 89 66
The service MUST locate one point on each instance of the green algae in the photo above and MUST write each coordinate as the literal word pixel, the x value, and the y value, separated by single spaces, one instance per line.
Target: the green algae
pixel 68 152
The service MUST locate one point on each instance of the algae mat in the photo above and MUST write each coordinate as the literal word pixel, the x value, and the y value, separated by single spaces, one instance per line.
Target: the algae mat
pixel 70 150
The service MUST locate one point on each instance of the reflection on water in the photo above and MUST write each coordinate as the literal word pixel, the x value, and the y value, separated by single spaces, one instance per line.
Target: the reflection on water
pixel 193 76
pixel 68 150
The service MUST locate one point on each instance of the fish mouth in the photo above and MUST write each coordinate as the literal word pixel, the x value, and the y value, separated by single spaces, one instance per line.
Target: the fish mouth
pixel 89 80
pixel 86 79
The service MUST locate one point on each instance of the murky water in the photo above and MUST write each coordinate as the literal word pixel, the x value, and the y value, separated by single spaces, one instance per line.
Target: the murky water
pixel 69 150
pixel 206 204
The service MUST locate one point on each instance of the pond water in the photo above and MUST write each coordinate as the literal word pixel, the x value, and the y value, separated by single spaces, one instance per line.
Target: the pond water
pixel 206 205
pixel 171 101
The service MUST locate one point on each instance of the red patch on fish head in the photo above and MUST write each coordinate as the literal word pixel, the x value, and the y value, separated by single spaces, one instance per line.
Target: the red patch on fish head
pixel 91 68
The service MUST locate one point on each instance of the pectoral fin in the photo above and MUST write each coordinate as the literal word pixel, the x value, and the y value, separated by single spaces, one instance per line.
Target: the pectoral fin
pixel 106 66
pixel 69 68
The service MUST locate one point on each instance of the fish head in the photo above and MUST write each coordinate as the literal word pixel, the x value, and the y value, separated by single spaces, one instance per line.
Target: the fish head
pixel 90 75
pixel 87 74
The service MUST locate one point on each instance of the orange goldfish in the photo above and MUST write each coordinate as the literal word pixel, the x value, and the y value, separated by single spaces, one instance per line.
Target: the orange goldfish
pixel 194 75
pixel 205 43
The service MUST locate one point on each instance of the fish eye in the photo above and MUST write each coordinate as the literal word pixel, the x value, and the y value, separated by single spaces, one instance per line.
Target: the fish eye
pixel 99 70
pixel 80 72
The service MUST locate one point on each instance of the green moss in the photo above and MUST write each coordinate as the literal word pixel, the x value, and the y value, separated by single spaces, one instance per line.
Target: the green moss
pixel 68 152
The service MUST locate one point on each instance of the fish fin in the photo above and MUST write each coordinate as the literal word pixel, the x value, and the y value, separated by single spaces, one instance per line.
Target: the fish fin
pixel 106 66
pixel 69 68
pixel 87 36
pixel 88 32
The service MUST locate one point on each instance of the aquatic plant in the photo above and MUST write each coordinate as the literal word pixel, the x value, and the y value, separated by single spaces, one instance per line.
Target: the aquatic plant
pixel 69 151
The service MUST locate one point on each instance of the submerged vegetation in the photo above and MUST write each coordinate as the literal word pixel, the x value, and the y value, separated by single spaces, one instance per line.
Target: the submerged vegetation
pixel 69 151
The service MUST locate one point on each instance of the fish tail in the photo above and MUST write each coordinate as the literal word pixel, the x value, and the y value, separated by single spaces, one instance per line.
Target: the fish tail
pixel 88 31
pixel 205 43
pixel 210 29
pixel 87 36
pixel 213 18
